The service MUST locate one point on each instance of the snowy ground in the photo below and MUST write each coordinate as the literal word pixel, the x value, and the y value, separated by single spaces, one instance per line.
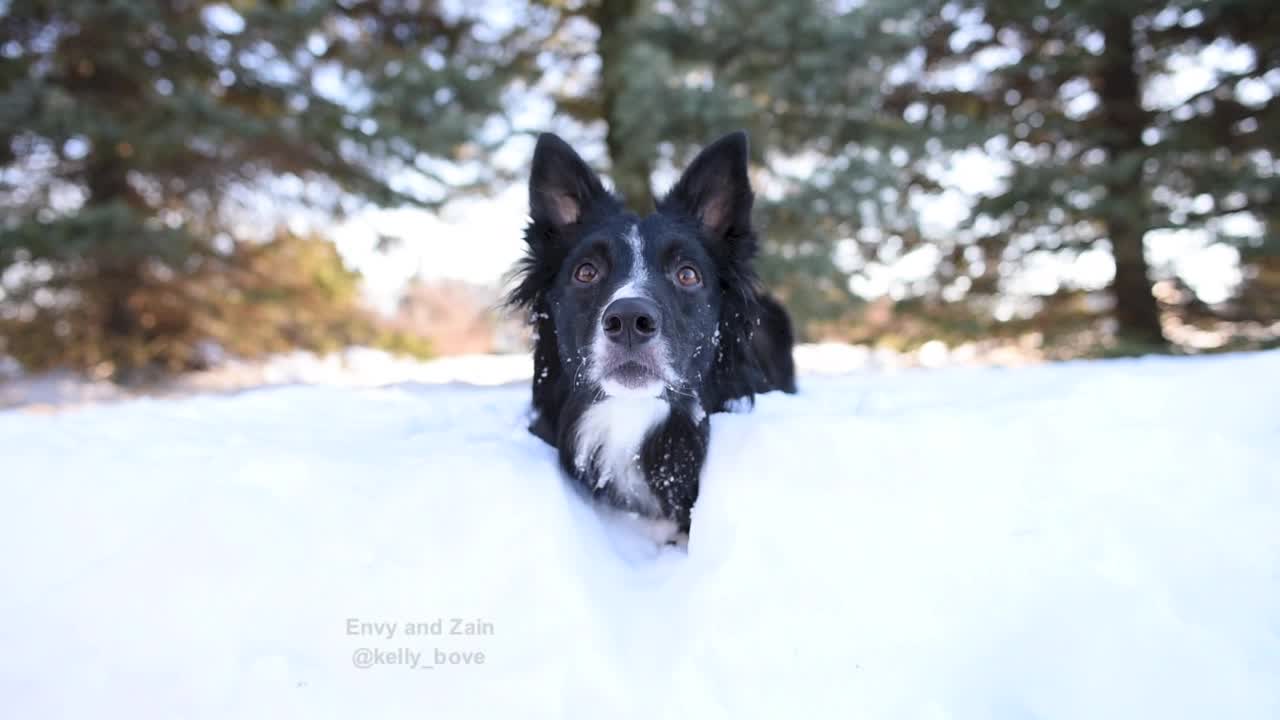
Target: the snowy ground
pixel 366 367
pixel 1090 540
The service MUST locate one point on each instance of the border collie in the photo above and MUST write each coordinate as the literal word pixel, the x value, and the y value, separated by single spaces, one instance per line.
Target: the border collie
pixel 645 325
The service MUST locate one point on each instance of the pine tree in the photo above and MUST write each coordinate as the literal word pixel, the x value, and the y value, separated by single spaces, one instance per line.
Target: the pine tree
pixel 855 111
pixel 804 78
pixel 138 138
pixel 1079 99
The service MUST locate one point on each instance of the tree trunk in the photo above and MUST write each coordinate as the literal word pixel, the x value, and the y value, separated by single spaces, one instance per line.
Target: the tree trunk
pixel 118 275
pixel 1125 208
pixel 631 166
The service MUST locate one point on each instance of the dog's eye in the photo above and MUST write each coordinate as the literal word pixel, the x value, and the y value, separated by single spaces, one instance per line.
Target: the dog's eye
pixel 586 273
pixel 688 276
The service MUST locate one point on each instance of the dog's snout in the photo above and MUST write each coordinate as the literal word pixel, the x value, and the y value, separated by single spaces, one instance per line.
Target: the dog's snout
pixel 631 321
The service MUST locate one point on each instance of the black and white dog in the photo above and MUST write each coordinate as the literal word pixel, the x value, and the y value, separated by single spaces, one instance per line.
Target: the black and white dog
pixel 645 325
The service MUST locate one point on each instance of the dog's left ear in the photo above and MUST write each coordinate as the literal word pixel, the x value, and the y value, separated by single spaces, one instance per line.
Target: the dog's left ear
pixel 562 188
pixel 715 190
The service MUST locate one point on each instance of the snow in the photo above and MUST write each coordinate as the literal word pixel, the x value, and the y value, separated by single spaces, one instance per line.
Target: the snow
pixel 1084 540
pixel 367 367
pixel 353 367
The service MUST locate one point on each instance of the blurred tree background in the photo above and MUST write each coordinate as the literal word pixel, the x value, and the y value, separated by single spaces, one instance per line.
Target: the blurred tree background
pixel 1082 100
pixel 863 114
pixel 145 146
pixel 926 169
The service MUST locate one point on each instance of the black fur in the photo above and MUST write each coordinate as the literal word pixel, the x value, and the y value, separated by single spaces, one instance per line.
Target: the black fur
pixel 720 342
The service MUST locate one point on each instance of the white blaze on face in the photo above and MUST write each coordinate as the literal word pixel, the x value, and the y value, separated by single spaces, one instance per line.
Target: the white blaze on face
pixel 633 287
pixel 639 276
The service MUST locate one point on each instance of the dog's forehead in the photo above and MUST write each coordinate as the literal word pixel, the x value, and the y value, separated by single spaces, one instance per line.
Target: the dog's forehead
pixel 654 229
pixel 659 235
pixel 625 230
pixel 624 237
pixel 639 241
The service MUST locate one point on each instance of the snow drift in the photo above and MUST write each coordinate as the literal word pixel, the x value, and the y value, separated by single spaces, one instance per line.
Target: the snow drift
pixel 1089 540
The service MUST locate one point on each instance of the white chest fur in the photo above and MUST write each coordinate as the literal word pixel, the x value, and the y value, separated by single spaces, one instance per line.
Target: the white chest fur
pixel 613 430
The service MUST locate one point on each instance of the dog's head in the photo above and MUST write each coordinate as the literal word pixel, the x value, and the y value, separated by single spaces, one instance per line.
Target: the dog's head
pixel 627 305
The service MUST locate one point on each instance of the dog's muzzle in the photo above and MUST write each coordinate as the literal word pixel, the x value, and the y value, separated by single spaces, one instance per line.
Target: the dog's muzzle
pixel 631 321
pixel 632 357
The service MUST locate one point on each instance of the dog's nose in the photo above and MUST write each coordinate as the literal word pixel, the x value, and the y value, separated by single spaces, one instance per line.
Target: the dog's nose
pixel 632 321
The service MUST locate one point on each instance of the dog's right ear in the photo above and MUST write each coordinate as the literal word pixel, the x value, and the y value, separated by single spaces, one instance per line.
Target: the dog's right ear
pixel 716 190
pixel 562 188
